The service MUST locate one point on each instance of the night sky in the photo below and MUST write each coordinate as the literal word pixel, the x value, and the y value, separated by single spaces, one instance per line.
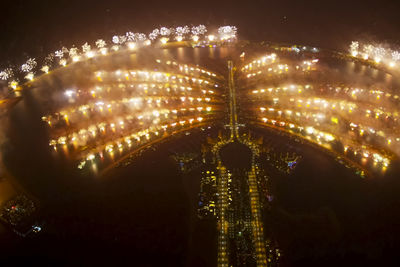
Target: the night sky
pixel 39 27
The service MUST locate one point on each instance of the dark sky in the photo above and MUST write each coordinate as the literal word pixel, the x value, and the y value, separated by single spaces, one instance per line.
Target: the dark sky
pixel 39 27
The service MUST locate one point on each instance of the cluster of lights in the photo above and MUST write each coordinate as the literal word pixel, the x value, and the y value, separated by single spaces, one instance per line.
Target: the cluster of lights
pixel 153 76
pixel 361 95
pixel 283 89
pixel 325 139
pixel 272 59
pixel 317 117
pixel 281 68
pixel 320 136
pixel 188 69
pixel 261 62
pixel 133 140
pixel 128 41
pixel 82 135
pixel 126 109
pixel 362 120
pixel 386 139
pixel 296 48
pixel 227 32
pixel 379 54
pixel 369 95
pixel 187 88
pixel 151 90
pixel 320 103
pixel 295 120
pixel 134 104
pixel 334 105
pixel 223 223
pixel 353 92
pixel 322 119
pixel 257 224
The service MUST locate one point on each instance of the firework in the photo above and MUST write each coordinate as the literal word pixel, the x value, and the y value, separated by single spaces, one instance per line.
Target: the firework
pixel 140 37
pixel 199 30
pixel 45 69
pixel 73 52
pixel 122 39
pixel 100 43
pixel 6 74
pixel 154 34
pixel 165 31
pixel 396 56
pixel 115 39
pixel 379 54
pixel 86 48
pixel 59 53
pixel 354 48
pixel 29 65
pixel 227 32
pixel 130 36
pixel 48 60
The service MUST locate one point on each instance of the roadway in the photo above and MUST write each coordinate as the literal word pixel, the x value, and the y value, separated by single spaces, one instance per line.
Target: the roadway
pixel 222 202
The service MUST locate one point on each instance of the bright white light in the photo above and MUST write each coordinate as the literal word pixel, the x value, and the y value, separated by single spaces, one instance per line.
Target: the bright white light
pixel 164 31
pixel 63 62
pixel 29 65
pixel 73 52
pixel 90 54
pixel 164 40
pixel 6 74
pixel 86 48
pixel 131 45
pixel 310 130
pixel 29 76
pixel 115 39
pixel 100 43
pixel 103 51
pixel 14 84
pixel 45 69
pixel 329 137
pixel 153 35
pixel 69 93
pixel 227 32
pixel 199 30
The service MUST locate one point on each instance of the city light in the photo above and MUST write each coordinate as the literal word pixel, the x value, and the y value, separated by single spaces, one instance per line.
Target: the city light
pixel 180 95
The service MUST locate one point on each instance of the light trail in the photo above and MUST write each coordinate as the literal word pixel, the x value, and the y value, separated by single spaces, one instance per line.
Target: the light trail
pixel 222 223
pixel 257 223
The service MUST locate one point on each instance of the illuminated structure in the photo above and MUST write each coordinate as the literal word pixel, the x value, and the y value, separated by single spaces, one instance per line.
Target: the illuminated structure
pixel 121 109
pixel 293 95
pixel 105 102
